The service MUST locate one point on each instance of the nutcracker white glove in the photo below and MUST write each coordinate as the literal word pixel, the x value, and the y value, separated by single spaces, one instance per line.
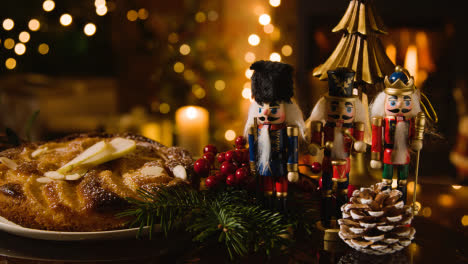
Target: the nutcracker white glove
pixel 360 146
pixel 417 145
pixel 375 164
pixel 313 149
pixel 293 176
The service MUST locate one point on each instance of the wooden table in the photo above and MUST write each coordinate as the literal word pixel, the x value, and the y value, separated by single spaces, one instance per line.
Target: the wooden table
pixel 440 238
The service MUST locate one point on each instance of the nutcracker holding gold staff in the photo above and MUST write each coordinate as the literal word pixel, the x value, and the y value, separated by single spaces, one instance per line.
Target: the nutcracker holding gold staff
pixel 338 120
pixel 274 126
pixel 397 126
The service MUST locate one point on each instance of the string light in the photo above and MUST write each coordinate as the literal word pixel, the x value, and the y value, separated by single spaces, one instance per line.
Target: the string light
pixel 249 57
pixel 275 3
pixel 464 220
pixel 248 73
pixel 220 85
pixel 200 17
pixel 89 29
pixel 173 37
pixel 66 20
pixel 34 25
pixel 101 10
pixel 20 48
pixel 132 15
pixel 143 13
pixel 184 49
pixel 264 19
pixel 230 135
pixel 10 63
pixel 43 49
pixel 275 56
pixel 9 43
pixel 286 50
pixel 99 3
pixel 254 39
pixel 178 67
pixel 456 187
pixel 268 28
pixel 48 5
pixel 8 24
pixel 164 108
pixel 189 75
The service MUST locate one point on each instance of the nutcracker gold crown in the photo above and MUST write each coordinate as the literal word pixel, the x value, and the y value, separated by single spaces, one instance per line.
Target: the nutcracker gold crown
pixel 399 87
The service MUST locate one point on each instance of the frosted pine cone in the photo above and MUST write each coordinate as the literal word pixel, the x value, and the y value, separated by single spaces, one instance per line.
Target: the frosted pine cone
pixel 375 222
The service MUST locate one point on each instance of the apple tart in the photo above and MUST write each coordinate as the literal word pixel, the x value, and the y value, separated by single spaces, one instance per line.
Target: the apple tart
pixel 80 182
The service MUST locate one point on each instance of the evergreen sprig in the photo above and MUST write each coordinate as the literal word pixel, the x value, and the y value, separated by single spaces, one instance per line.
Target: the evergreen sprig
pixel 229 217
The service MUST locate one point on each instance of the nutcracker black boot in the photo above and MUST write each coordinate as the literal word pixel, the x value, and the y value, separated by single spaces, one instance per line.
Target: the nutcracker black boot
pixel 326 208
pixel 403 189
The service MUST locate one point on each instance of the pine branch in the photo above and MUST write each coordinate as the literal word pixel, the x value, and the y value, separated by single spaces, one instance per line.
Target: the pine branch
pixel 229 217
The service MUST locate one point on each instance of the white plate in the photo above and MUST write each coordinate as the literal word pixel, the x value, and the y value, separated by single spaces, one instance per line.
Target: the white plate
pixel 18 230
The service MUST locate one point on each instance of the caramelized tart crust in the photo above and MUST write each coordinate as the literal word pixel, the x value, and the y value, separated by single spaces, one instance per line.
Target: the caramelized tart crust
pixel 91 202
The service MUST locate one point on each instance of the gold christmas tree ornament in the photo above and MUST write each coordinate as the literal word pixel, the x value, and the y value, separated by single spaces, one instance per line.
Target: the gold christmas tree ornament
pixel 360 48
pixel 376 222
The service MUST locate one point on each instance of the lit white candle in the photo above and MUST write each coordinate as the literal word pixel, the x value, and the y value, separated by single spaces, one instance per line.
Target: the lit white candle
pixel 192 128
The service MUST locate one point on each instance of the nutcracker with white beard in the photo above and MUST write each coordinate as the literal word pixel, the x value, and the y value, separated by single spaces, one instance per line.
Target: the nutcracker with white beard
pixel 397 126
pixel 339 120
pixel 274 126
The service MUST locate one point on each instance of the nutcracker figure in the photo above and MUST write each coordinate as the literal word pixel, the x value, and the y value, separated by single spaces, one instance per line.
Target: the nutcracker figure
pixel 397 124
pixel 274 125
pixel 337 122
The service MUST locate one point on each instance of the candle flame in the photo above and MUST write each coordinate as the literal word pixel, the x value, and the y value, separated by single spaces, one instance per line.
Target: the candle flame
pixel 391 52
pixel 191 112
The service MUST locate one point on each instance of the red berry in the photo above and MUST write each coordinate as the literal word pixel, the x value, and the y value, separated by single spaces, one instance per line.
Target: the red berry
pixel 211 181
pixel 227 168
pixel 240 147
pixel 316 167
pixel 240 141
pixel 202 167
pixel 231 180
pixel 221 157
pixel 241 175
pixel 209 156
pixel 219 176
pixel 230 155
pixel 239 155
pixel 210 148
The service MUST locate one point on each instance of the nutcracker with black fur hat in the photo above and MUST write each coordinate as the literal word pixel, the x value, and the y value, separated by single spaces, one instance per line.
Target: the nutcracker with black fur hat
pixel 337 122
pixel 273 127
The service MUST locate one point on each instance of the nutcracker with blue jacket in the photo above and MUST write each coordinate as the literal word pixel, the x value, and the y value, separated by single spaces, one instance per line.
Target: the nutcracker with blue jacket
pixel 397 126
pixel 274 126
pixel 337 123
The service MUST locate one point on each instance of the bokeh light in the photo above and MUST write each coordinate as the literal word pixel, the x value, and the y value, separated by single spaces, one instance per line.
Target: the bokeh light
pixel 8 24
pixel 275 3
pixel 132 15
pixel 247 93
pixel 230 135
pixel 143 13
pixel 164 108
pixel 184 49
pixel 456 187
pixel 264 19
pixel 48 5
pixel 101 10
pixel 220 85
pixel 200 17
pixel 9 43
pixel 249 57
pixel 275 56
pixel 446 200
pixel 10 63
pixel 34 24
pixel 268 28
pixel 213 15
pixel 43 49
pixel 173 38
pixel 178 67
pixel 89 29
pixel 464 220
pixel 66 19
pixel 20 48
pixel 24 37
pixel 254 40
pixel 248 73
pixel 286 50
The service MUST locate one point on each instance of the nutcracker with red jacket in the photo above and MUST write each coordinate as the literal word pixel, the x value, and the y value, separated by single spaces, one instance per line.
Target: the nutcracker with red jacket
pixel 397 126
pixel 274 126
pixel 337 122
